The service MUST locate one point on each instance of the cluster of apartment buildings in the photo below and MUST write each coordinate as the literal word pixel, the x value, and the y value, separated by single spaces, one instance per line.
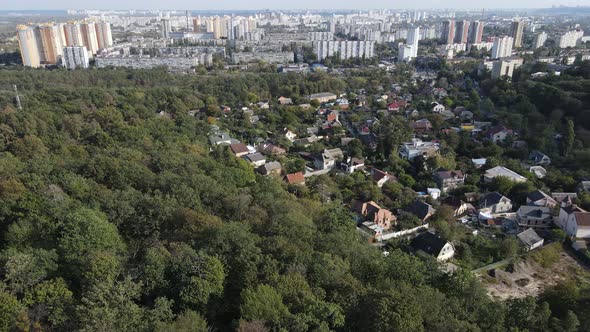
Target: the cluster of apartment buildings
pixel 462 32
pixel 228 27
pixel 69 43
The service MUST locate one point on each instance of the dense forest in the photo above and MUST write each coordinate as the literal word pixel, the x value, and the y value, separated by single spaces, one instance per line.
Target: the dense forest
pixel 115 218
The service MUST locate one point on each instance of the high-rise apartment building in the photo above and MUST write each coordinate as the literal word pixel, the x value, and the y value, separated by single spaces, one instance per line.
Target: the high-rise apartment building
pixel 73 34
pixel 166 27
pixel 405 52
pixel 28 46
pixel 75 57
pixel 49 43
pixel 88 31
pixel 448 32
pixel 462 32
pixel 516 31
pixel 413 38
pixel 104 36
pixel 570 38
pixel 540 40
pixel 320 35
pixel 346 49
pixel 502 47
pixel 197 24
pixel 476 32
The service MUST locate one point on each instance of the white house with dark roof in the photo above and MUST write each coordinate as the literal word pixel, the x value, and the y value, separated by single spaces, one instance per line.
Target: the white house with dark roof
pixel 539 198
pixel 530 239
pixel 495 203
pixel 433 245
pixel 381 177
pixel 538 158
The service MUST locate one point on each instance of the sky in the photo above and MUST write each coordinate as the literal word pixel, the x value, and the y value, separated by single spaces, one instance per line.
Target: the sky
pixel 278 4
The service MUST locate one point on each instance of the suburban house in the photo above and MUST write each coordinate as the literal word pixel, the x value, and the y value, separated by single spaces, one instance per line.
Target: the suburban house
pixel 421 210
pixel 327 159
pixel 343 103
pixel 256 159
pixel 285 101
pixel 479 162
pixel 271 149
pixel 564 199
pixel 333 116
pixel 433 245
pixel 493 173
pixel 372 212
pixel 539 198
pixel 323 97
pixel 565 213
pixel 434 193
pixel 538 217
pixel 263 105
pixel 459 206
pixel 499 134
pixel 396 105
pixel 324 161
pixel 352 164
pixel 221 138
pixel 295 178
pixel 272 168
pixel 437 108
pixel 495 203
pixel 530 239
pixel 306 141
pixel 239 149
pixel 381 177
pixel 416 148
pixel 578 225
pixel 449 180
pixel 538 171
pixel 421 126
pixel 539 158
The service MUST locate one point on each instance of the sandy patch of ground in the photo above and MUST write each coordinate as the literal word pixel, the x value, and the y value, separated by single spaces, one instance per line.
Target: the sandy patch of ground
pixel 529 278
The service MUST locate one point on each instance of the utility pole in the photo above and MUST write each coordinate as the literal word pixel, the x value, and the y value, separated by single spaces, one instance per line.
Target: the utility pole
pixel 17 98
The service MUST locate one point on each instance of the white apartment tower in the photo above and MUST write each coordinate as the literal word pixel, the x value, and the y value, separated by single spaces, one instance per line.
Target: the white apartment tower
pixel 413 38
pixel 570 38
pixel 166 28
pixel 75 57
pixel 28 46
pixel 502 47
pixel 540 40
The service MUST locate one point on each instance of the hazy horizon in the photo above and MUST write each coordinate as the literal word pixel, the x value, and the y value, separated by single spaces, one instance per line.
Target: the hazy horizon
pixel 302 4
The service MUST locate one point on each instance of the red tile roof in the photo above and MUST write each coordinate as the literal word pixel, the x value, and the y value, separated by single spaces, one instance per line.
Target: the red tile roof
pixel 295 178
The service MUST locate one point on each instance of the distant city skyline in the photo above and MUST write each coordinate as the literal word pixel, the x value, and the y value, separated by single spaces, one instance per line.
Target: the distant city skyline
pixel 302 4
